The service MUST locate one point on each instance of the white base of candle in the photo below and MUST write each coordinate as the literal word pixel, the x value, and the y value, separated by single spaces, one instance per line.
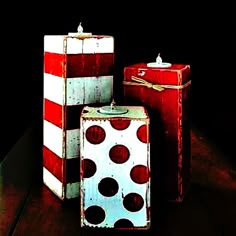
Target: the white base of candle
pixel 159 65
pixel 80 34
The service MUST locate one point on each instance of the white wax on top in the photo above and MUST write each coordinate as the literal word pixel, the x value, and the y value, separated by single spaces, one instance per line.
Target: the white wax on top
pixel 159 63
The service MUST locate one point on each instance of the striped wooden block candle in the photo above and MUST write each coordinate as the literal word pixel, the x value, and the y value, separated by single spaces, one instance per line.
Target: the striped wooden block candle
pixel 78 70
pixel 115 169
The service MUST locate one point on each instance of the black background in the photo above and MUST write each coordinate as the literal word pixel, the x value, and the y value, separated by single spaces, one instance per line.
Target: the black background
pixel 198 33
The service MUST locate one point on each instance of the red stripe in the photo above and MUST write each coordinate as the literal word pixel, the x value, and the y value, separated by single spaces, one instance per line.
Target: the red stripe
pixel 53 112
pixel 53 163
pixel 79 65
pixel 54 63
pixel 61 167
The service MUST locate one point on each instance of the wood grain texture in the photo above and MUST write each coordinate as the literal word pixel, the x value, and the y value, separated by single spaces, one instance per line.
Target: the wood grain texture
pixel 16 174
pixel 29 208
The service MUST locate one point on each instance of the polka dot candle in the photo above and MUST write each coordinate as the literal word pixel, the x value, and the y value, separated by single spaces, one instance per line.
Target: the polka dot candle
pixel 115 169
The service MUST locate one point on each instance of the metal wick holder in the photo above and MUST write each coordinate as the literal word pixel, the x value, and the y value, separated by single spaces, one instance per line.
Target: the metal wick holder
pixel 113 109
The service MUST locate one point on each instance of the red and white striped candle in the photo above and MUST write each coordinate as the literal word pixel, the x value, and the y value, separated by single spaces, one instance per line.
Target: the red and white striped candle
pixel 115 169
pixel 78 70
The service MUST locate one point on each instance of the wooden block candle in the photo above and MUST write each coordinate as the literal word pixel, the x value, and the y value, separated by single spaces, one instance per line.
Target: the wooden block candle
pixel 164 90
pixel 78 70
pixel 115 168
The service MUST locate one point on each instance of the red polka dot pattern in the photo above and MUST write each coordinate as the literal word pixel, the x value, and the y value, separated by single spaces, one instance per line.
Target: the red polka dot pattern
pixel 119 154
pixel 142 133
pixel 115 183
pixel 123 223
pixel 139 174
pixel 95 134
pixel 88 168
pixel 133 202
pixel 120 124
pixel 95 215
pixel 108 187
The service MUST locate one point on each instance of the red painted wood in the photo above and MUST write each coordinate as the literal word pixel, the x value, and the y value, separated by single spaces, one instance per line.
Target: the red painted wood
pixel 65 170
pixel 78 65
pixel 53 113
pixel 168 109
pixel 54 64
pixel 53 163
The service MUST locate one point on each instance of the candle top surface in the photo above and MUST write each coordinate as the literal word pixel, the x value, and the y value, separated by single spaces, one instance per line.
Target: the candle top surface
pixel 173 67
pixel 127 112
pixel 81 36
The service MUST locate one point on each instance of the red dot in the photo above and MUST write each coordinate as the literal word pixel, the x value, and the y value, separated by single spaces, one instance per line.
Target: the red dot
pixel 139 174
pixel 133 202
pixel 142 133
pixel 119 154
pixel 88 168
pixel 108 187
pixel 95 134
pixel 123 223
pixel 120 123
pixel 95 215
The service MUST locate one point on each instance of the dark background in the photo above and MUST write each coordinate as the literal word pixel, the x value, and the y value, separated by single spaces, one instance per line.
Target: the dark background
pixel 192 32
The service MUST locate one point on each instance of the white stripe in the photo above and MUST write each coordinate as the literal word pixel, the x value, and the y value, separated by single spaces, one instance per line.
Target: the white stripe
pixel 73 143
pixel 55 44
pixel 53 183
pixel 54 88
pixel 72 189
pixel 80 90
pixel 53 138
pixel 87 90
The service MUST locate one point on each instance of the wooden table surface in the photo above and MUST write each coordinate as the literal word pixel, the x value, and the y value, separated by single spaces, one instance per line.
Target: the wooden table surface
pixel 27 207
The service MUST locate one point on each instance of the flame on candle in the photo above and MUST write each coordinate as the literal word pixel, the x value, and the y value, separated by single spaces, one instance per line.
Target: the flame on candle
pixel 159 59
pixel 80 28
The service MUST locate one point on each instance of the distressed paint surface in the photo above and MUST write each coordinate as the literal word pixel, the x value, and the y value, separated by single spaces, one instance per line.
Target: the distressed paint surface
pixel 72 45
pixel 54 163
pixel 73 143
pixel 63 65
pixel 54 88
pixel 115 166
pixel 81 90
pixel 87 90
pixel 170 132
pixel 57 187
pixel 53 139
pixel 76 72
